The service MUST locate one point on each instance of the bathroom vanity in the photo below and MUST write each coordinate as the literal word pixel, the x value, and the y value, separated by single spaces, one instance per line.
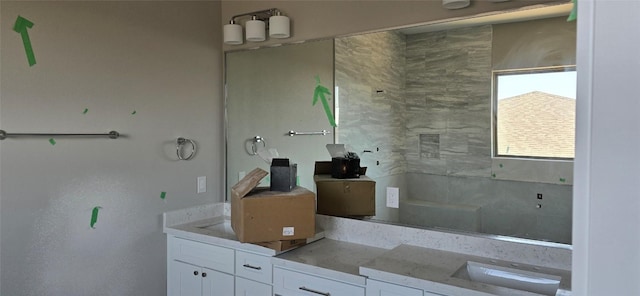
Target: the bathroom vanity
pixel 351 257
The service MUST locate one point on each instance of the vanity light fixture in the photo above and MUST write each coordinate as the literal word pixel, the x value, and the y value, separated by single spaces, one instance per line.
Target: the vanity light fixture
pixel 455 4
pixel 256 27
pixel 233 33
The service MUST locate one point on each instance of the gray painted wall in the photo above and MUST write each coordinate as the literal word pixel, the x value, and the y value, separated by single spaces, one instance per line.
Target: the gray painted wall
pixel 161 59
pixel 607 240
pixel 434 121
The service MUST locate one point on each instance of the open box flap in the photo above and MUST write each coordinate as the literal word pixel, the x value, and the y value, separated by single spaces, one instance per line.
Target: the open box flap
pixel 250 181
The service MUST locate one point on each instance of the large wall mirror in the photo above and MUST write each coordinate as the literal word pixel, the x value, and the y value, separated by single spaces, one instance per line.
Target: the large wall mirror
pixel 473 120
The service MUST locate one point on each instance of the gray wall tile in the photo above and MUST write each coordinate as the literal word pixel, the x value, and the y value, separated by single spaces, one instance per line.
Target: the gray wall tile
pixel 438 86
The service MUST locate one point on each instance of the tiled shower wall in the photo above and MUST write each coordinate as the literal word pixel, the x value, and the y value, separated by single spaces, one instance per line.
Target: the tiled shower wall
pixel 425 101
pixel 448 86
pixel 369 79
pixel 370 75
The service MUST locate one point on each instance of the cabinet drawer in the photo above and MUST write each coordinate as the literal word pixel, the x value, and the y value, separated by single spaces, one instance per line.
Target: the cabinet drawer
pixel 204 255
pixel 254 267
pixel 377 288
pixel 292 283
pixel 246 287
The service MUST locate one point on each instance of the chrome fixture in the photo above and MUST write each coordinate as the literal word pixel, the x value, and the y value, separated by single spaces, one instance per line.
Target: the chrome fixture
pixel 180 143
pixel 319 133
pixel 256 27
pixel 4 135
pixel 455 4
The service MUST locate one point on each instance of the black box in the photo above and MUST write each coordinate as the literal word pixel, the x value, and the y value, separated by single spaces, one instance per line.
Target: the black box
pixel 345 168
pixel 283 175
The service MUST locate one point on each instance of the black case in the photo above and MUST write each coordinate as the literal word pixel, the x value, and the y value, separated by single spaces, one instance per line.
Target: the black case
pixel 345 168
pixel 283 175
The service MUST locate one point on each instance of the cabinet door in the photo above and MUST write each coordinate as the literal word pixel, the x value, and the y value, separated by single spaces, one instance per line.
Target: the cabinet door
pixel 377 288
pixel 254 267
pixel 292 283
pixel 204 255
pixel 184 279
pixel 215 283
pixel 245 287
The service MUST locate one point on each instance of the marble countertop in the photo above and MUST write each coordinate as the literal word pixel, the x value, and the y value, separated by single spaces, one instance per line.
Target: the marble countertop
pixel 215 231
pixel 429 269
pixel 330 258
pixel 444 272
pixel 208 224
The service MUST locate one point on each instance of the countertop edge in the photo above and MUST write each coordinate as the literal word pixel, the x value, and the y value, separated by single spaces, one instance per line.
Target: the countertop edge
pixel 219 241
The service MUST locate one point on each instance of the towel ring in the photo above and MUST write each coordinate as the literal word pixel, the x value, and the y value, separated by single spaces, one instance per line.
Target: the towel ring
pixel 254 145
pixel 180 142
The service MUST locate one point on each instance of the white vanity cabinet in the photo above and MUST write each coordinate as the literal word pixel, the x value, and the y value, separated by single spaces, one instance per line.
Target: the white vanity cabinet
pixel 378 288
pixel 288 282
pixel 197 269
pixel 254 274
pixel 191 280
pixel 245 287
pixel 201 269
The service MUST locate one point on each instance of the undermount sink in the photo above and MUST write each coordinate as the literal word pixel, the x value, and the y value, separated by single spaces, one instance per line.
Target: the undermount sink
pixel 514 278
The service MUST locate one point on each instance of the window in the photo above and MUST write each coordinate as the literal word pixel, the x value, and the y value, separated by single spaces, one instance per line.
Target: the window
pixel 534 113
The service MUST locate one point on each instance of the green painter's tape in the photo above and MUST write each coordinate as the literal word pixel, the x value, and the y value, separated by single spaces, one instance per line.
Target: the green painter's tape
pixel 298 180
pixel 52 141
pixel 21 26
pixel 319 92
pixel 574 12
pixel 94 216
pixel 85 111
pixel 563 180
pixel 163 195
pixel 134 112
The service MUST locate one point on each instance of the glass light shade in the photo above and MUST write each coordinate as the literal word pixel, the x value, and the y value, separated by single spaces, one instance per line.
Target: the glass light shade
pixel 279 26
pixel 455 4
pixel 255 30
pixel 233 34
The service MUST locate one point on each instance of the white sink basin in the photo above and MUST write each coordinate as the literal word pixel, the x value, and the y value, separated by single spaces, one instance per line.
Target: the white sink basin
pixel 513 278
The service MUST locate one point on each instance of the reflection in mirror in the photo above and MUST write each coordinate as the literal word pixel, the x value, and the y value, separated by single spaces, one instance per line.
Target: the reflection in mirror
pixel 269 93
pixel 421 100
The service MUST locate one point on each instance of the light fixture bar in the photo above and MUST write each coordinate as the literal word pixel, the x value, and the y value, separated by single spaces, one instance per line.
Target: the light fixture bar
pixel 260 14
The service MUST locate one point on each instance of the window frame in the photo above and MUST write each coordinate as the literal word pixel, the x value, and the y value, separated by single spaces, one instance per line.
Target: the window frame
pixel 494 108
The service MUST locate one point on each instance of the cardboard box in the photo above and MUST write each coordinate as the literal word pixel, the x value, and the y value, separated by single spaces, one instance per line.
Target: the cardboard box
pixel 283 245
pixel 343 197
pixel 260 215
